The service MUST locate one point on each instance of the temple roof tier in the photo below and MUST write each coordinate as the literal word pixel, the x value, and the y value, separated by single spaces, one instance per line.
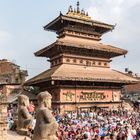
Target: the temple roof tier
pixel 65 20
pixel 82 46
pixel 82 73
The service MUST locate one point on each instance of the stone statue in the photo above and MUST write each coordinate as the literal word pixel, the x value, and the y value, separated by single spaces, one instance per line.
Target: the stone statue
pixel 46 126
pixel 24 117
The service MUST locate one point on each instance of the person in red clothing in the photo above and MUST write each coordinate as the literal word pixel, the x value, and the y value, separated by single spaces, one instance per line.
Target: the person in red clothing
pixel 31 108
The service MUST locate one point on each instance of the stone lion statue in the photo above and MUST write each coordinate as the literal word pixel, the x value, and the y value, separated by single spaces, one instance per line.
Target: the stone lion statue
pixel 46 126
pixel 24 117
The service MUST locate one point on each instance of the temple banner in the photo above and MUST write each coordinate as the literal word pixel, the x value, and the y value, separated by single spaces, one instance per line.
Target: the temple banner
pixel 78 95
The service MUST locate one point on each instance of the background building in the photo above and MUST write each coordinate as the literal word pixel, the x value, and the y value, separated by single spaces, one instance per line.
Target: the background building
pixel 11 77
pixel 11 81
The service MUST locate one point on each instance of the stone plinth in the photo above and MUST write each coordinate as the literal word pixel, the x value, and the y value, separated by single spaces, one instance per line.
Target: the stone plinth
pixel 23 132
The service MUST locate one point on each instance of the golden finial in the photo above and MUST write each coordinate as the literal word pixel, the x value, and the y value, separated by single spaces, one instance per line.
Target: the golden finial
pixel 70 9
pixel 77 13
pixel 82 12
pixel 60 13
pixel 78 9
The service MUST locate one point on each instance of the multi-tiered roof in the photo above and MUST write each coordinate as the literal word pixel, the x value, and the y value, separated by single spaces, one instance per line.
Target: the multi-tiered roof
pixel 79 26
pixel 78 54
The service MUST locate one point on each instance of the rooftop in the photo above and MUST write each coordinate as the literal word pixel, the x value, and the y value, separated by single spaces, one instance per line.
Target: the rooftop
pixel 77 16
pixel 79 43
pixel 81 73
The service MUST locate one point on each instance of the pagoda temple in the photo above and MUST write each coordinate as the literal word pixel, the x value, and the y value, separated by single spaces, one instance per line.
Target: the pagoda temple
pixel 80 76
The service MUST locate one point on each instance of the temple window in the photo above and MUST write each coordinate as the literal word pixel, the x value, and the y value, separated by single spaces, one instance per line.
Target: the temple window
pixel 58 61
pixel 81 61
pixel 99 63
pixel 53 62
pixel 93 63
pixel 88 63
pixel 67 60
pixel 74 60
pixel 16 80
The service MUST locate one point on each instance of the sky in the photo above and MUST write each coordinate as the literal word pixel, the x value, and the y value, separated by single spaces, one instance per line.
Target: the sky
pixel 22 33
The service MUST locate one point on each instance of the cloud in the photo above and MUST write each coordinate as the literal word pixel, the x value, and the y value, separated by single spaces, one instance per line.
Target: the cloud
pixel 6 40
pixel 111 11
pixel 5 37
pixel 127 32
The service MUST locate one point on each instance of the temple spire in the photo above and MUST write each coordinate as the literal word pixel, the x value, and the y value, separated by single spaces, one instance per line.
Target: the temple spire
pixel 78 9
pixel 70 9
pixel 76 12
pixel 82 12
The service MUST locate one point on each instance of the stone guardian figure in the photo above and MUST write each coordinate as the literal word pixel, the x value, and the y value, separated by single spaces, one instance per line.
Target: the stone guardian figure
pixel 24 117
pixel 46 126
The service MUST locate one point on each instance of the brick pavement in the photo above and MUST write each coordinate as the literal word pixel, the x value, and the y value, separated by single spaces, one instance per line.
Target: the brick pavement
pixel 14 136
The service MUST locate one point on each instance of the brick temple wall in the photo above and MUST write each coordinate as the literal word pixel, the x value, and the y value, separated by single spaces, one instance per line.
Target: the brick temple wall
pixel 70 99
pixel 88 95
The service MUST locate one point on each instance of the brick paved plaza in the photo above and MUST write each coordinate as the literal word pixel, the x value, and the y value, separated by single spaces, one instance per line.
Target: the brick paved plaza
pixel 13 135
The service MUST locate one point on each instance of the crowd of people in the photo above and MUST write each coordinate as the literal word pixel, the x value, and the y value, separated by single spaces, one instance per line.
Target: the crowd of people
pixel 98 124
pixel 13 115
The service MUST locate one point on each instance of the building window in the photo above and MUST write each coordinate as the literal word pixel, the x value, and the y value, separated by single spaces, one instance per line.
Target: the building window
pixel 16 80
pixel 74 60
pixel 55 62
pixel 67 60
pixel 93 63
pixel 99 63
pixel 88 63
pixel 58 61
pixel 81 61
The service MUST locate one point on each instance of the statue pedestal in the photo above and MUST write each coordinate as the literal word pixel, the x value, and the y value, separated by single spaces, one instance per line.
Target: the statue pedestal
pixel 23 132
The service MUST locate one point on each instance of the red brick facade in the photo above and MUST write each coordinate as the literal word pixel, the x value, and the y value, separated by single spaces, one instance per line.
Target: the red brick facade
pixel 71 99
